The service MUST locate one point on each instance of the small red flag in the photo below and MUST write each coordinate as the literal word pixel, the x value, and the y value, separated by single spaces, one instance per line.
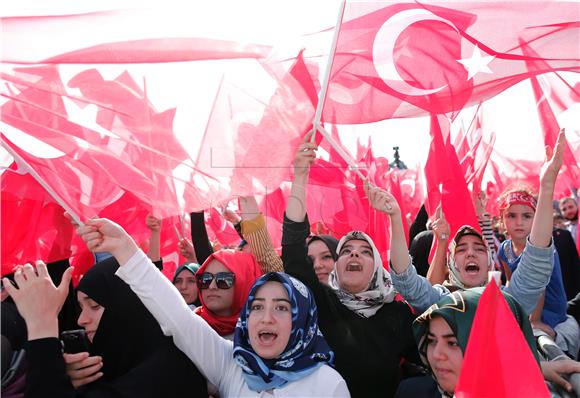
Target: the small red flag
pixel 498 361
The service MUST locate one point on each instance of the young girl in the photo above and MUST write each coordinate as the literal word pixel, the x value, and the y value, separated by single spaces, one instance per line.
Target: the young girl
pixel 277 350
pixel 469 257
pixel 517 210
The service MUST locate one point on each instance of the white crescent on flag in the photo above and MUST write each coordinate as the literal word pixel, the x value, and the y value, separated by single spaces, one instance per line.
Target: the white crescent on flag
pixel 384 47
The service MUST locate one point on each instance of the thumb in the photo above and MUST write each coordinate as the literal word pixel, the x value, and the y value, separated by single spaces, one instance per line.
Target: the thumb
pixel 65 281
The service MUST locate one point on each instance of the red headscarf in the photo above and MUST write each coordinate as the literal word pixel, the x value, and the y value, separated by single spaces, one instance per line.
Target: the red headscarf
pixel 247 270
pixel 517 198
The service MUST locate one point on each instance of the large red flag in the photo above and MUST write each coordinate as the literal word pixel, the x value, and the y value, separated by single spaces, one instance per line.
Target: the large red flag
pixel 408 59
pixel 33 224
pixel 131 36
pixel 445 182
pixel 496 349
pixel 129 147
pixel 550 126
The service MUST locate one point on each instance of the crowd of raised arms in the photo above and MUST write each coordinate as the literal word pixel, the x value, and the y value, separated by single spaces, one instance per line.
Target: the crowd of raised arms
pixel 328 317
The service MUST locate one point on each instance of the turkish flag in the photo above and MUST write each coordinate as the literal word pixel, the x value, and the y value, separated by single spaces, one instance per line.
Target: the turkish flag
pixel 409 59
pixel 497 347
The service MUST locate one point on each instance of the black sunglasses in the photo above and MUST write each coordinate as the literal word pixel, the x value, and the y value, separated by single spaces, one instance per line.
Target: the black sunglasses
pixel 223 280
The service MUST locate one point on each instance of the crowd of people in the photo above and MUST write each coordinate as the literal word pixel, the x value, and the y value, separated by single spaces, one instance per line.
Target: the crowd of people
pixel 328 317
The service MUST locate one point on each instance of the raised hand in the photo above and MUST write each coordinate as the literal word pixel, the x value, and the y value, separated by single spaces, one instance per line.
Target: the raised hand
pixel 440 226
pixel 382 200
pixel 102 235
pixel 37 299
pixel 553 163
pixel 479 202
pixel 231 216
pixel 153 223
pixel 305 156
pixel 186 250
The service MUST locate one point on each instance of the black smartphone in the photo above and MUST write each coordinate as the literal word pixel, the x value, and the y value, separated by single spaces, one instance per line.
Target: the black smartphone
pixel 74 341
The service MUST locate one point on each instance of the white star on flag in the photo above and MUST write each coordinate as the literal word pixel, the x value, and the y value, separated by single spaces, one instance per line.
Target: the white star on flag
pixel 476 63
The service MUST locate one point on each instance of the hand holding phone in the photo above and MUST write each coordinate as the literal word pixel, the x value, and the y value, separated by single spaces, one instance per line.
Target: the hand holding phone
pixel 83 369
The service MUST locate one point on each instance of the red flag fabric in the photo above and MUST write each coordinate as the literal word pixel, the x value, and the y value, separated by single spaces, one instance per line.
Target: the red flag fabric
pixel 497 347
pixel 156 35
pixel 409 59
pixel 550 127
pixel 32 223
pixel 251 136
pixel 445 182
pixel 221 229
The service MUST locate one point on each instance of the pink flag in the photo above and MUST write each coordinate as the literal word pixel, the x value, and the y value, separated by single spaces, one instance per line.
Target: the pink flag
pixel 130 36
pixel 550 127
pixel 251 136
pixel 408 59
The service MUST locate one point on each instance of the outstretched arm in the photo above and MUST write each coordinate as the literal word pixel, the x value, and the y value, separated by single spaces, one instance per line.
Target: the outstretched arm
pixel 296 207
pixel 154 224
pixel 541 235
pixel 438 269
pixel 413 287
pixel 256 233
pixel 191 334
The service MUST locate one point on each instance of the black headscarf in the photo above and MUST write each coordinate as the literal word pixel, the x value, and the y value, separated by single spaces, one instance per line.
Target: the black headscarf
pixel 131 342
pixel 330 241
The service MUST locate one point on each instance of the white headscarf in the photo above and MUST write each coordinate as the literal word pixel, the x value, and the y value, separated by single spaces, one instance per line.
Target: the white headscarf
pixel 380 289
pixel 454 276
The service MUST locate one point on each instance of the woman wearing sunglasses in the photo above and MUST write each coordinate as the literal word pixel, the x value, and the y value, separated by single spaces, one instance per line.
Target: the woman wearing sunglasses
pixel 224 281
pixel 278 349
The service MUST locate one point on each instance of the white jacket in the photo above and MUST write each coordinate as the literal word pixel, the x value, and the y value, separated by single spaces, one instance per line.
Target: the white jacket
pixel 212 354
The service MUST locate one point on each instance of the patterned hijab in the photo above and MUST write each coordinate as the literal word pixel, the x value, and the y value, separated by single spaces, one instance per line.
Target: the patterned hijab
pixel 458 310
pixel 246 269
pixel 380 289
pixel 454 276
pixel 305 352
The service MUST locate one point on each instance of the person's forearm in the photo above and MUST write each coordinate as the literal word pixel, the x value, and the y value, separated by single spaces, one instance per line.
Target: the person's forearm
pixel 256 234
pixel 248 208
pixel 296 207
pixel 154 252
pixel 541 234
pixel 399 250
pixel 437 272
pixel 536 315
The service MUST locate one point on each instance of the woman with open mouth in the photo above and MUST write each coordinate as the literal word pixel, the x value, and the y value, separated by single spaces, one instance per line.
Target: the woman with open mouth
pixel 469 257
pixel 369 332
pixel 277 345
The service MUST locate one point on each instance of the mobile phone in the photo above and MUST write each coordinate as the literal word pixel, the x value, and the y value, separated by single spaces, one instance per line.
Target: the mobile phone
pixel 74 341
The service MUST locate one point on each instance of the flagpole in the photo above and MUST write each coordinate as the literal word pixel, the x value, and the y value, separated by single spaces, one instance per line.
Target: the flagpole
pixel 38 179
pixel 324 87
pixel 343 154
